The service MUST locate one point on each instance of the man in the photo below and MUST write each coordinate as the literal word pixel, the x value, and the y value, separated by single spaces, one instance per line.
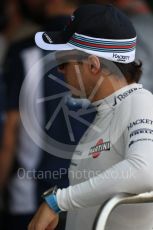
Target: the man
pixel 118 157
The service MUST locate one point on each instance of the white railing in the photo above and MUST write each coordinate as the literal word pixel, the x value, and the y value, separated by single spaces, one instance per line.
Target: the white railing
pixel 122 198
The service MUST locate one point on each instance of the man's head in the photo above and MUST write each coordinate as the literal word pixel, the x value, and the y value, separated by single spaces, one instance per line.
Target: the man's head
pixel 87 74
pixel 81 71
pixel 105 35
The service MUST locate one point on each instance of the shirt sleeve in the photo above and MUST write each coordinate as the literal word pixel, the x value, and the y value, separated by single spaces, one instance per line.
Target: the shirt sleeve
pixel 137 163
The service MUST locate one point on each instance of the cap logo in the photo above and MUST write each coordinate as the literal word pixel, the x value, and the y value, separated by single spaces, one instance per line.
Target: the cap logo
pixel 48 38
pixel 72 18
pixel 121 58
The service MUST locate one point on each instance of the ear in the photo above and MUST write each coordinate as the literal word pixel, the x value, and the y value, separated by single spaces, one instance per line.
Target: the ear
pixel 94 64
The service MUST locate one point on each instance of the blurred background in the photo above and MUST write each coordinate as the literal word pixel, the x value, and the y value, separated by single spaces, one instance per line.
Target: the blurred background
pixel 19 21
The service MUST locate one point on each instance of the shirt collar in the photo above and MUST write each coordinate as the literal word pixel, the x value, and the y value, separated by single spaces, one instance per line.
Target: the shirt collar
pixel 113 100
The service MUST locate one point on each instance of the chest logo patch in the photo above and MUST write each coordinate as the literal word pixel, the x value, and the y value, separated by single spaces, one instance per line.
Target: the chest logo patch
pixel 96 150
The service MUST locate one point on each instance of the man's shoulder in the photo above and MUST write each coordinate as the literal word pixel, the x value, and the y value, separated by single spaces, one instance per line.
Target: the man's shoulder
pixel 136 107
pixel 139 103
pixel 141 98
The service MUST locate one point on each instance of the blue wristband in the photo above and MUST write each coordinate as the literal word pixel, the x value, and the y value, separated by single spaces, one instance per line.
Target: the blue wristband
pixel 51 200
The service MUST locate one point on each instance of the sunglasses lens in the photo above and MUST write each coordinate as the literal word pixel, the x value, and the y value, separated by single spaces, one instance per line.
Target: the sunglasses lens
pixel 62 66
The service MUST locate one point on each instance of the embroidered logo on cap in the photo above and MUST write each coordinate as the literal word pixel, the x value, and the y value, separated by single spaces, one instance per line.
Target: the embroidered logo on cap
pixel 121 58
pixel 48 38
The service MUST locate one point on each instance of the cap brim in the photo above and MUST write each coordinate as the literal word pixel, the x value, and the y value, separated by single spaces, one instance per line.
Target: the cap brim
pixel 55 41
pixel 47 46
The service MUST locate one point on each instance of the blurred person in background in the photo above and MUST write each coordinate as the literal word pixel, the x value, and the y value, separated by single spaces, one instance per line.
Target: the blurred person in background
pixel 3 47
pixel 14 25
pixel 19 24
pixel 150 2
pixel 3 24
pixel 18 149
pixel 2 120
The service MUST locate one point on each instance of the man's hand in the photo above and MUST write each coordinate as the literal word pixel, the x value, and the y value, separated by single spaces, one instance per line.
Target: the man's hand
pixel 45 219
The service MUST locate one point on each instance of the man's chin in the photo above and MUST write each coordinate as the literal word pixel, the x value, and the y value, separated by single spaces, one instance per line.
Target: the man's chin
pixel 77 101
pixel 78 96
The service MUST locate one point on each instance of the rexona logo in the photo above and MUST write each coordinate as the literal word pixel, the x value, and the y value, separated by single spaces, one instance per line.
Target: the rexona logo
pixel 96 150
pixel 125 95
pixel 120 58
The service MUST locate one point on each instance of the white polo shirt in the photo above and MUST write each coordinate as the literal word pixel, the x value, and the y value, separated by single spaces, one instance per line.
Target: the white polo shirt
pixel 115 155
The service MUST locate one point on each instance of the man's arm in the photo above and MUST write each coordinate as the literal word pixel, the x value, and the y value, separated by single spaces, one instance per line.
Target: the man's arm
pixel 8 145
pixel 138 161
pixel 134 173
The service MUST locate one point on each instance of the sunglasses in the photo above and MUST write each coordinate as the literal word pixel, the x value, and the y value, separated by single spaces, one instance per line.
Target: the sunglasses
pixel 62 66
